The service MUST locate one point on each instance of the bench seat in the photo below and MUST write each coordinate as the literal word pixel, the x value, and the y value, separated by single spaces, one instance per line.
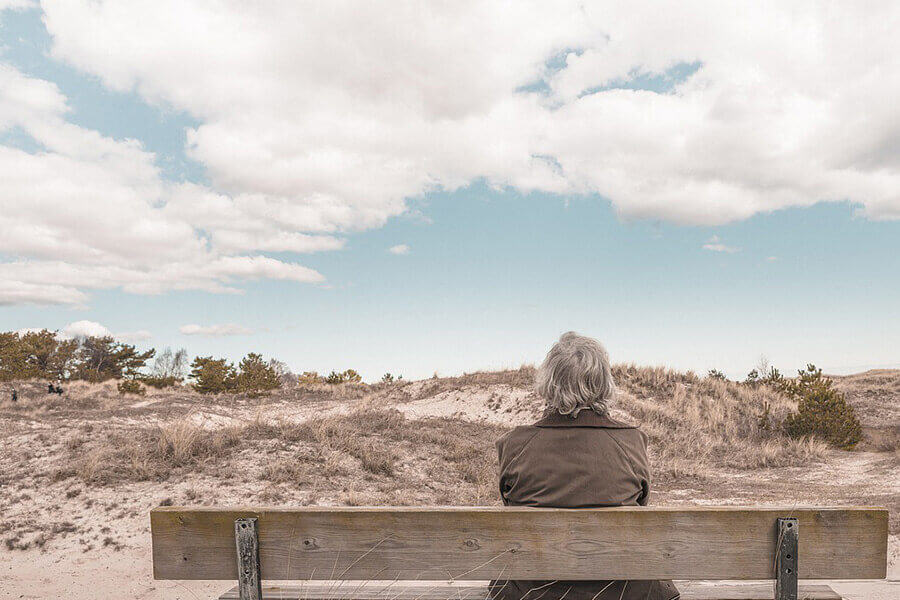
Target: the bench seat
pixel 470 590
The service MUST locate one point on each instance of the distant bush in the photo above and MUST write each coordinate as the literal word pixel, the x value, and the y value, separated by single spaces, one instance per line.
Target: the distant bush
pixel 131 386
pixel 387 378
pixel 348 376
pixel 160 382
pixel 716 374
pixel 216 375
pixel 772 376
pixel 213 375
pixel 256 376
pixel 310 378
pixel 822 410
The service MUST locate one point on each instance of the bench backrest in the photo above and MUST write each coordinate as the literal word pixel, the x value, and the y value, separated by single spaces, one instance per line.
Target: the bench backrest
pixel 442 543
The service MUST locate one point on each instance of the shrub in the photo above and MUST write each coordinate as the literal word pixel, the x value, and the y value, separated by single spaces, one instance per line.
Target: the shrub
pixel 160 382
pixel 387 378
pixel 256 376
pixel 310 378
pixel 772 376
pixel 716 374
pixel 131 386
pixel 213 375
pixel 822 410
pixel 348 376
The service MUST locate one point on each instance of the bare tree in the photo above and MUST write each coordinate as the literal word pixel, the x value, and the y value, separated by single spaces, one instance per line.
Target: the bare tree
pixel 171 364
pixel 285 376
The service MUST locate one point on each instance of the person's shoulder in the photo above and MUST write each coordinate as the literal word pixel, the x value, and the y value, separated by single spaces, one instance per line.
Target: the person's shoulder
pixel 630 433
pixel 516 437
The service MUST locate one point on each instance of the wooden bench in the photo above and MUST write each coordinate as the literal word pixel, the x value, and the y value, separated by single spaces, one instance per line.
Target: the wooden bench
pixel 440 553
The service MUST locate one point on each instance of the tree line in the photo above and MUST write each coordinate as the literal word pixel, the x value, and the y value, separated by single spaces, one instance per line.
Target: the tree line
pixel 45 355
pixel 41 354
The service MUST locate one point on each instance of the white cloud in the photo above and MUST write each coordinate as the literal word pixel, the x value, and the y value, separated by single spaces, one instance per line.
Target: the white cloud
pixel 317 120
pixel 89 212
pixel 714 244
pixel 399 249
pixel 215 330
pixel 84 329
pixel 326 118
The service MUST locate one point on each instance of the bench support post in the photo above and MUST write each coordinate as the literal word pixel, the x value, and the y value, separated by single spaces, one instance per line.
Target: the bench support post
pixel 786 559
pixel 246 540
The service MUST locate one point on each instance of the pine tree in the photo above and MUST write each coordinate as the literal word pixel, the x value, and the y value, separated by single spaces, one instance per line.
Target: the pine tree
pixel 256 375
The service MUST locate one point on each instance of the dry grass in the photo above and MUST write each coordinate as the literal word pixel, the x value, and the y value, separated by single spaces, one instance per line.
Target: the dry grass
pixel 396 458
pixel 93 450
pixel 146 454
pixel 696 424
pixel 377 451
pixel 875 396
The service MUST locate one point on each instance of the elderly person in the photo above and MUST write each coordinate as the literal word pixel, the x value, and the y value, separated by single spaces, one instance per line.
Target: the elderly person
pixel 576 456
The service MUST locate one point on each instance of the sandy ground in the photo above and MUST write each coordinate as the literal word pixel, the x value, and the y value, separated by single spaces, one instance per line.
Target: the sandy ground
pixel 100 544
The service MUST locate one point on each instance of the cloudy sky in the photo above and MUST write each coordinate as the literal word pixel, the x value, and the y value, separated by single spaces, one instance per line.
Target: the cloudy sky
pixel 449 187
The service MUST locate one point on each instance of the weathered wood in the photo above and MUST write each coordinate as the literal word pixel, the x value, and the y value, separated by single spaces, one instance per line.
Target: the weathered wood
pixel 417 590
pixel 246 541
pixel 468 543
pixel 786 559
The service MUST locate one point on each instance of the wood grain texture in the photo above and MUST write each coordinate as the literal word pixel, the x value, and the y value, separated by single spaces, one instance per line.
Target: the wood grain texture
pixel 417 590
pixel 468 543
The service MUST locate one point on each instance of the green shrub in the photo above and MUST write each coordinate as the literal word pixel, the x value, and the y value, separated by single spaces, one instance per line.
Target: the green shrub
pixel 131 386
pixel 822 411
pixel 348 376
pixel 716 374
pixel 310 378
pixel 387 378
pixel 770 377
pixel 256 376
pixel 213 375
pixel 160 382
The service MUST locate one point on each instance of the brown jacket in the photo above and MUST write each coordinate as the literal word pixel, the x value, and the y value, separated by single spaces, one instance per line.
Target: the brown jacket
pixel 588 461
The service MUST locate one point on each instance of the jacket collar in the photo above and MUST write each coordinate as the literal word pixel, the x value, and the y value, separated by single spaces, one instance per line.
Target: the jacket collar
pixel 585 418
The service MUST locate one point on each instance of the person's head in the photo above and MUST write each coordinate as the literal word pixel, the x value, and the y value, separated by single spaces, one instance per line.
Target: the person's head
pixel 576 375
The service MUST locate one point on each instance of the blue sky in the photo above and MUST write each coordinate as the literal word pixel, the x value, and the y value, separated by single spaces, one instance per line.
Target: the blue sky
pixel 693 268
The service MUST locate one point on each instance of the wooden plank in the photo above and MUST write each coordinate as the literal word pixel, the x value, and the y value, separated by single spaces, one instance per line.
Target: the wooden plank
pixel 417 590
pixel 519 543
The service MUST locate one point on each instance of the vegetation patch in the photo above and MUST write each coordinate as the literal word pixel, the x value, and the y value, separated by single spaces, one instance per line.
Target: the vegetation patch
pixel 822 410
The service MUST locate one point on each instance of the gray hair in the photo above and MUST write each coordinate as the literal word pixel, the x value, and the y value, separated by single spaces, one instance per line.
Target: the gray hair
pixel 576 375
